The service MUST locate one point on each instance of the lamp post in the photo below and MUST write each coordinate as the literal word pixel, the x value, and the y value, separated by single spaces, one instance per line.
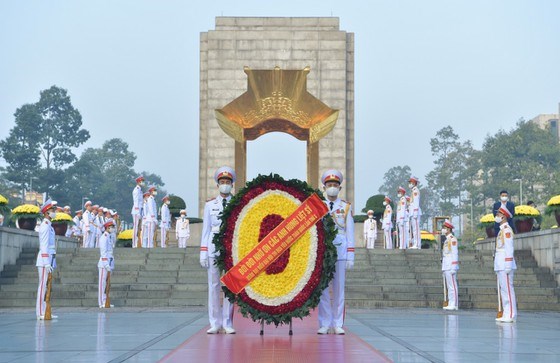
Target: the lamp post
pixel 520 180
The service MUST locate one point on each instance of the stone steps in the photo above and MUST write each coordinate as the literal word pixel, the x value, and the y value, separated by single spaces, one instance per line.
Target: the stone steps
pixel 172 277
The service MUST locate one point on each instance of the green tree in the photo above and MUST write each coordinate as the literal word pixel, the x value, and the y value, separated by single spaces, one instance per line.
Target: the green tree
pixel 393 178
pixel 375 203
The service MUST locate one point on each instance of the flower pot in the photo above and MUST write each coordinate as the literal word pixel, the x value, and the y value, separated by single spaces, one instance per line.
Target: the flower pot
pixel 27 223
pixel 490 233
pixel 523 226
pixel 557 216
pixel 60 228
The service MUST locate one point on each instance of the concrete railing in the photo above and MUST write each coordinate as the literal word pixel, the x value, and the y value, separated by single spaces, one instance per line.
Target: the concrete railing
pixel 544 245
pixel 13 240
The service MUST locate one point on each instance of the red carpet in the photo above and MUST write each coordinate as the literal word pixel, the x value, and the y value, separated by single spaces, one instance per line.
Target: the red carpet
pixel 275 346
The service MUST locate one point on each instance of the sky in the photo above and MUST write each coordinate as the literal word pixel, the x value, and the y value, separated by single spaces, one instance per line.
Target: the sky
pixel 132 70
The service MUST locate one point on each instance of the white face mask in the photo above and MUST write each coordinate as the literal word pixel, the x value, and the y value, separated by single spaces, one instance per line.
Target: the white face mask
pixel 444 231
pixel 225 188
pixel 410 185
pixel 498 219
pixel 183 216
pixel 399 195
pixel 167 202
pixel 370 217
pixel 52 214
pixel 384 203
pixel 142 184
pixel 504 199
pixel 332 191
pixel 154 192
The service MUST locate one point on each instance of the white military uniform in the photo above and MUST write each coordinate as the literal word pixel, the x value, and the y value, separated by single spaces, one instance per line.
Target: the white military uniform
pixel 45 257
pixel 76 229
pixel 407 224
pixel 449 268
pixel 106 263
pixel 149 222
pixel 165 224
pixel 219 316
pixel 387 225
pixel 401 213
pixel 370 232
pixel 182 231
pixel 504 266
pixel 332 315
pixel 138 201
pixel 415 214
pixel 87 229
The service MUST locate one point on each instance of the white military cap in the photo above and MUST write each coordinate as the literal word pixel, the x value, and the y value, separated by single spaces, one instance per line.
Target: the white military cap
pixel 225 172
pixel 332 175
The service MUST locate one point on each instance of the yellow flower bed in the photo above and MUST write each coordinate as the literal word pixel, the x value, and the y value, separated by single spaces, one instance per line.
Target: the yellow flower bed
pixel 554 200
pixel 3 200
pixel 62 217
pixel 525 210
pixel 26 209
pixel 488 218
pixel 427 236
pixel 125 235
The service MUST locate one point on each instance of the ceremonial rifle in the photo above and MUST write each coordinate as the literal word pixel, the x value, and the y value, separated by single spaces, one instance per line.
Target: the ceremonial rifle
pixel 48 313
pixel 500 307
pixel 107 290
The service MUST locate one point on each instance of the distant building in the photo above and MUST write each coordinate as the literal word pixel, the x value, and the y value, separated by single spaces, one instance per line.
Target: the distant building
pixel 550 121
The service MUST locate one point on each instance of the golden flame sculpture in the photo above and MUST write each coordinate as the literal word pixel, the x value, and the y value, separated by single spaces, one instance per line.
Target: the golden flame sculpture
pixel 276 100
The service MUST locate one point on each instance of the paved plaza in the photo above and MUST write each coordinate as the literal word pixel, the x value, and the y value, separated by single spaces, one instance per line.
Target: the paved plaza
pixel 401 335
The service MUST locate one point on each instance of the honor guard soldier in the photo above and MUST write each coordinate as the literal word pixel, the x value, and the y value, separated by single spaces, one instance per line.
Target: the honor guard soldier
pixel 219 316
pixel 387 223
pixel 182 230
pixel 77 227
pixel 142 241
pixel 504 266
pixel 401 213
pixel 46 258
pixel 415 212
pixel 137 202
pixel 332 315
pixel 87 226
pixel 165 223
pixel 450 266
pixel 370 230
pixel 106 261
pixel 407 222
pixel 68 211
pixel 150 218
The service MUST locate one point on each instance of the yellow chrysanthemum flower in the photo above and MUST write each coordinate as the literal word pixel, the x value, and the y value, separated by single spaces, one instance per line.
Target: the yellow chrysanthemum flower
pixel 125 235
pixel 427 236
pixel 525 210
pixel 554 200
pixel 488 218
pixel 62 217
pixel 26 209
pixel 3 200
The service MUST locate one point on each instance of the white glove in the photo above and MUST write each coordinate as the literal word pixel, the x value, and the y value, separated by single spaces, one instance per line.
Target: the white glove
pixel 507 271
pixel 349 264
pixel 107 268
pixel 49 268
pixel 204 262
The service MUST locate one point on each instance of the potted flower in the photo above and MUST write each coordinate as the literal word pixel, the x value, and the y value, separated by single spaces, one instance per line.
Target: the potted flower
pixel 124 239
pixel 60 223
pixel 524 217
pixel 553 206
pixel 427 239
pixel 487 223
pixel 4 209
pixel 26 216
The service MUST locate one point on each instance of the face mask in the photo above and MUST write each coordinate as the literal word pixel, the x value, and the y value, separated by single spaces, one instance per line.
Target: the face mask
pixel 142 184
pixel 183 216
pixel 167 202
pixel 498 219
pixel 384 203
pixel 399 195
pixel 410 185
pixel 154 192
pixel 111 229
pixel 444 231
pixel 52 215
pixel 370 217
pixel 332 191
pixel 225 188
pixel 504 199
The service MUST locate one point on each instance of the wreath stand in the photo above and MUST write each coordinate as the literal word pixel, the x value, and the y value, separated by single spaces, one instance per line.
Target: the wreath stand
pixel 262 328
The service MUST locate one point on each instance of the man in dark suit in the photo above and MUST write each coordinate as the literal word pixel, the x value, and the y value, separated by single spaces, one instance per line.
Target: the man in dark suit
pixel 504 202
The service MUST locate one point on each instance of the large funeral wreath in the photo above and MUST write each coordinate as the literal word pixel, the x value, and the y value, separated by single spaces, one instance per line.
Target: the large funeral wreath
pixel 292 285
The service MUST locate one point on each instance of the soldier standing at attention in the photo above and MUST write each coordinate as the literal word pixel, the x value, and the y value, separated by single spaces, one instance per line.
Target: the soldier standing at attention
pixel 219 316
pixel 387 223
pixel 165 220
pixel 370 230
pixel 106 261
pixel 450 265
pixel 137 202
pixel 182 230
pixel 415 212
pixel 401 213
pixel 332 315
pixel 87 227
pixel 150 219
pixel 46 261
pixel 504 266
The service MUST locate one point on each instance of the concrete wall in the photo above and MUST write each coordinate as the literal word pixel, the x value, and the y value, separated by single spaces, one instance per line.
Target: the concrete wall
pixel 544 245
pixel 263 43
pixel 13 240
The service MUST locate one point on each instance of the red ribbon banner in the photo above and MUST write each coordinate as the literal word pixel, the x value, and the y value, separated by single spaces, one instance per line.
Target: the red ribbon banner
pixel 274 244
